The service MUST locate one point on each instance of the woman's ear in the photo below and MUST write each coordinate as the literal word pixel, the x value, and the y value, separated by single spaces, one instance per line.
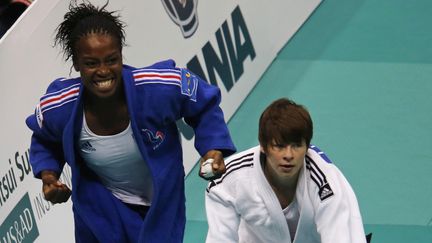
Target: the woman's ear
pixel 75 64
pixel 262 149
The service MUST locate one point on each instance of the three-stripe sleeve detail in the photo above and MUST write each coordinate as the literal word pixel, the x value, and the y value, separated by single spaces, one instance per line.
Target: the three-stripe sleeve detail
pixel 233 165
pixel 318 176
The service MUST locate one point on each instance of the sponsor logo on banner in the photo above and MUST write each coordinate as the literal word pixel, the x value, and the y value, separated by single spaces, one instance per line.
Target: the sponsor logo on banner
pixel 226 60
pixel 184 14
pixel 19 168
pixel 20 225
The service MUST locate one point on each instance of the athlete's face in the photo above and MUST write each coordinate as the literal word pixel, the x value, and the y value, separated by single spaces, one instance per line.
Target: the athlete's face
pixel 99 61
pixel 284 161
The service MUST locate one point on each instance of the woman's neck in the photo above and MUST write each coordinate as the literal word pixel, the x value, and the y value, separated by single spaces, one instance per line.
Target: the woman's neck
pixel 106 116
pixel 284 188
pixel 105 106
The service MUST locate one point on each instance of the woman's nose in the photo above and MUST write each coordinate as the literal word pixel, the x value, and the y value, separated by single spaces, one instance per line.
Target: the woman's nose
pixel 103 70
pixel 288 152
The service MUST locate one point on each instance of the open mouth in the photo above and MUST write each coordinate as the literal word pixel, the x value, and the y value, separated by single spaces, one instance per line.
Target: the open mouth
pixel 104 83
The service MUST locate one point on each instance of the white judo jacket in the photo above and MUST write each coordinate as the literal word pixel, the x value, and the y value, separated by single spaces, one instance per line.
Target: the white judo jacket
pixel 242 207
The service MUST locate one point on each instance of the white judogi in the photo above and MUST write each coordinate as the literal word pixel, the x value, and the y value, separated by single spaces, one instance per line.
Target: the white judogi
pixel 242 207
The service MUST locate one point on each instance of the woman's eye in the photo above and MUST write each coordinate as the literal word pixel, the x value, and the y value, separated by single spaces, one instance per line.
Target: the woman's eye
pixel 279 146
pixel 90 64
pixel 112 61
pixel 297 145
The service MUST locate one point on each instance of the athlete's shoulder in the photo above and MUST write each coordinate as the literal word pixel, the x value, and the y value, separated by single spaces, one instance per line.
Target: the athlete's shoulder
pixel 164 74
pixel 237 165
pixel 60 92
pixel 161 73
pixel 316 153
pixel 319 170
pixel 59 84
pixel 56 104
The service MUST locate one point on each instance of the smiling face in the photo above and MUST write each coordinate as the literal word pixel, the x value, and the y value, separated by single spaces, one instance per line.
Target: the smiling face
pixel 284 161
pixel 98 58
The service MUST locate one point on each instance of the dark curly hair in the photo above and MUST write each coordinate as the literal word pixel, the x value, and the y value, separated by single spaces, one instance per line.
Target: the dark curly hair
pixel 85 18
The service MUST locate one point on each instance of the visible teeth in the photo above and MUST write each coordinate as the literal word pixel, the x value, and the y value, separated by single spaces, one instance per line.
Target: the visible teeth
pixel 104 84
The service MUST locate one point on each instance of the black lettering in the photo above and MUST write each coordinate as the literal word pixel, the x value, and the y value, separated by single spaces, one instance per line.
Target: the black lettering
pixel 41 205
pixel 1 198
pixel 230 47
pixel 13 174
pixel 27 167
pixel 229 70
pixel 195 66
pixel 5 197
pixel 20 167
pixel 244 49
pixel 11 181
pixel 214 63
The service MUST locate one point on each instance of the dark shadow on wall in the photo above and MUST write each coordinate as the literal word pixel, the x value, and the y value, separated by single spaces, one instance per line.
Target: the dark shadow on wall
pixel 10 10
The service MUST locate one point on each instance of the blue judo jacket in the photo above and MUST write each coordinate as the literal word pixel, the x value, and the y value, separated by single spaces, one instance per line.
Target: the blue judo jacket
pixel 157 96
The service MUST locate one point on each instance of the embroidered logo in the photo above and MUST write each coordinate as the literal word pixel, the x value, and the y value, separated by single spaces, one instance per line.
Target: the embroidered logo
pixel 184 14
pixel 155 139
pixel 87 147
pixel 319 178
pixel 325 191
pixel 189 85
pixel 39 116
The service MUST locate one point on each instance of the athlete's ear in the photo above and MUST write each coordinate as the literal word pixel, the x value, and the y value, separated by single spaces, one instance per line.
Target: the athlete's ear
pixel 76 67
pixel 75 64
pixel 262 149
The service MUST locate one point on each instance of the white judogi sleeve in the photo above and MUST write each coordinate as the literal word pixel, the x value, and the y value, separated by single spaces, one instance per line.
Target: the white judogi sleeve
pixel 223 217
pixel 222 196
pixel 337 217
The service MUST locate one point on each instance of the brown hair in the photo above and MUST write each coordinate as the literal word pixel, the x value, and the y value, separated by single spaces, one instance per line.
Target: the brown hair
pixel 285 122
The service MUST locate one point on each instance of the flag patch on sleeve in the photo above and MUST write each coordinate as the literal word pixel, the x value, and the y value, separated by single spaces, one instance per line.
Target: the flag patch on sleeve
pixel 189 84
pixel 39 116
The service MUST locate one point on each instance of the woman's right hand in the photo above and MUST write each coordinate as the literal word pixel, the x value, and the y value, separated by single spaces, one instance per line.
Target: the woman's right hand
pixel 53 190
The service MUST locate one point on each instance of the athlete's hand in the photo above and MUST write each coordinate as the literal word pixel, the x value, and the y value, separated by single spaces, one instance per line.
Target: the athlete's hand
pixel 218 165
pixel 53 190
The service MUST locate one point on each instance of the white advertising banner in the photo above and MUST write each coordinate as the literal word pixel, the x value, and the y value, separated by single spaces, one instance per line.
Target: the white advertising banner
pixel 230 43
